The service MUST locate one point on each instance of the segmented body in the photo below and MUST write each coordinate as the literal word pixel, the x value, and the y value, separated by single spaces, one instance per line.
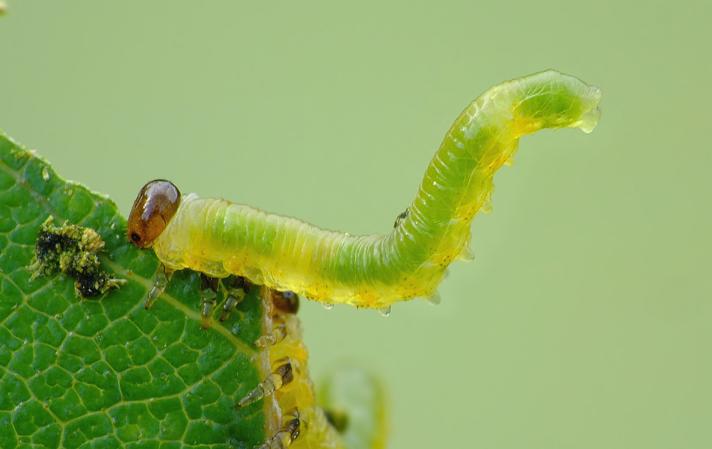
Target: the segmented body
pixel 222 238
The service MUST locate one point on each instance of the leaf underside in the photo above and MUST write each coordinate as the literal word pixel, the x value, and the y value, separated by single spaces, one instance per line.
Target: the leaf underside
pixel 106 373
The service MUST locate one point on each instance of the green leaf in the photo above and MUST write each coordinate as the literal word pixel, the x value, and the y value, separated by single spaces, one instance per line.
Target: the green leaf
pixel 105 373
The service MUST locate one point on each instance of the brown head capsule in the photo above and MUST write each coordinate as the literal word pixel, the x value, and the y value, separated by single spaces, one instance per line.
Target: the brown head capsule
pixel 154 207
pixel 287 302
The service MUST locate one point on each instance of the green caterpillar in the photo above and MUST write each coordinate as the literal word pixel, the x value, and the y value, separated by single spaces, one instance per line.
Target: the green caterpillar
pixel 220 238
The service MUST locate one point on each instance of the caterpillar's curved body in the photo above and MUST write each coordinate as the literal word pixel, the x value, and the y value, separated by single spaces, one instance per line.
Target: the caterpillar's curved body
pixel 220 238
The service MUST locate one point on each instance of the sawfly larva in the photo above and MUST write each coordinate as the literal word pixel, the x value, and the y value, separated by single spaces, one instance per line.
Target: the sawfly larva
pixel 220 238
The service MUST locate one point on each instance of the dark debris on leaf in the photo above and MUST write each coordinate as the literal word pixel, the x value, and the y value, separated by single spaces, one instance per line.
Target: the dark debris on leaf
pixel 73 250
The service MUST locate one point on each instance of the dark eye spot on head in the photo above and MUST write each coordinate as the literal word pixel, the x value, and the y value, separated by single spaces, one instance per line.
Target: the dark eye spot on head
pixel 135 237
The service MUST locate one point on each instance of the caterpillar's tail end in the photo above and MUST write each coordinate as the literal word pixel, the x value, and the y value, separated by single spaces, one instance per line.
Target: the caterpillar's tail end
pixel 592 112
pixel 552 99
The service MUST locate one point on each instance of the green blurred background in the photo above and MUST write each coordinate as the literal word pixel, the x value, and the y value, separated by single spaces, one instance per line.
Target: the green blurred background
pixel 585 321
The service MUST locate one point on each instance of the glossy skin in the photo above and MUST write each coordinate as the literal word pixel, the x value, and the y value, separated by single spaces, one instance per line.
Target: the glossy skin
pixel 153 208
pixel 220 238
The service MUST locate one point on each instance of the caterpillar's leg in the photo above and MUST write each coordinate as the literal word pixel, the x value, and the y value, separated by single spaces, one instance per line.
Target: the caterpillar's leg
pixel 208 296
pixel 286 302
pixel 236 289
pixel 283 375
pixel 163 276
pixel 279 333
pixel 287 434
pixel 402 216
